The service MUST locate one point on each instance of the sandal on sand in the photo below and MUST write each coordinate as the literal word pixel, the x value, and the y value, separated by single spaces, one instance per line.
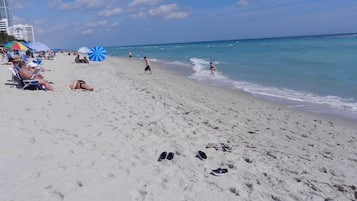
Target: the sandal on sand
pixel 162 156
pixel 226 147
pixel 219 172
pixel 212 145
pixel 201 155
pixel 170 156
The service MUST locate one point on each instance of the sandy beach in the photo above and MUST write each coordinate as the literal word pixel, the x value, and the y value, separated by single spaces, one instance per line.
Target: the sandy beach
pixel 104 145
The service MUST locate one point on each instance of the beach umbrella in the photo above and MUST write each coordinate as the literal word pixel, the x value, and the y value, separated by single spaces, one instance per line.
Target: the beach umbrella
pixel 56 49
pixel 84 50
pixel 38 46
pixel 98 53
pixel 14 45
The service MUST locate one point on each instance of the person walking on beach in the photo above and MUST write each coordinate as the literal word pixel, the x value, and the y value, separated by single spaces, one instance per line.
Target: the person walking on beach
pixel 130 56
pixel 213 69
pixel 147 65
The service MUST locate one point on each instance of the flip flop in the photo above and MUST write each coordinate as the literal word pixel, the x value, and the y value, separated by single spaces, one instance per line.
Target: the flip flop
pixel 201 155
pixel 170 156
pixel 226 147
pixel 162 156
pixel 219 172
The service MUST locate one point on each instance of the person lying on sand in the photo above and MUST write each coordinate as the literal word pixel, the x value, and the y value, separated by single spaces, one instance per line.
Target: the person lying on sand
pixel 80 84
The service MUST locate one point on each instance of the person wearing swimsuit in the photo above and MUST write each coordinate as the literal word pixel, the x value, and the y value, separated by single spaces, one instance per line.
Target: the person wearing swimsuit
pixel 147 64
pixel 80 84
pixel 213 69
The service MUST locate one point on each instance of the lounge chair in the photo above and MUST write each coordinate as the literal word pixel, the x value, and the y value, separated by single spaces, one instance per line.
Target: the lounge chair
pixel 9 57
pixel 22 83
pixel 24 57
pixel 37 60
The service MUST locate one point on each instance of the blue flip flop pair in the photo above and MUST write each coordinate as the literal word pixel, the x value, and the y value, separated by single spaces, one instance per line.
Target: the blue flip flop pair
pixel 164 155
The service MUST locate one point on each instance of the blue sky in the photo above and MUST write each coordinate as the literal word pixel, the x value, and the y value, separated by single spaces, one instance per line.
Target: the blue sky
pixel 75 23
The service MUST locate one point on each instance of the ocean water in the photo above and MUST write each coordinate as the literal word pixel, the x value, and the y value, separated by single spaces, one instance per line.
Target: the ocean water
pixel 313 73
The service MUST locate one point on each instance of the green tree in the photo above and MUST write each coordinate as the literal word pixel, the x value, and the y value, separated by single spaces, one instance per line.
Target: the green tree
pixel 4 37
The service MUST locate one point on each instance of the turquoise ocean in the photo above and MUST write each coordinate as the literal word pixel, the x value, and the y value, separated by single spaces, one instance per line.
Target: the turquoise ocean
pixel 311 73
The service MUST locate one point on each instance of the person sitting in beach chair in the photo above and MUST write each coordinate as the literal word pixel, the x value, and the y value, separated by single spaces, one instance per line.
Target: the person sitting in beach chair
pixel 42 54
pixel 24 84
pixel 50 55
pixel 80 84
pixel 25 74
pixel 35 69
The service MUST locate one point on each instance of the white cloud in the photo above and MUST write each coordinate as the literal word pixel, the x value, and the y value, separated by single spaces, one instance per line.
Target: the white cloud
pixel 114 24
pixel 178 15
pixel 97 23
pixel 242 2
pixel 143 2
pixel 163 9
pixel 87 31
pixel 168 12
pixel 140 15
pixel 88 4
pixel 112 12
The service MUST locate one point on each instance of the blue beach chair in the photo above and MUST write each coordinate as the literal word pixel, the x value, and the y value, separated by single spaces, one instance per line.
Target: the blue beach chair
pixel 37 61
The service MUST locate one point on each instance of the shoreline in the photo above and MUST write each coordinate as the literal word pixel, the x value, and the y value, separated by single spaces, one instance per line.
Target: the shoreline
pixel 105 144
pixel 310 108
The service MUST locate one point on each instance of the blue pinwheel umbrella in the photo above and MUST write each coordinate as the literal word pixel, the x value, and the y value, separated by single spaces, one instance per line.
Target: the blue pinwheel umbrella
pixel 98 53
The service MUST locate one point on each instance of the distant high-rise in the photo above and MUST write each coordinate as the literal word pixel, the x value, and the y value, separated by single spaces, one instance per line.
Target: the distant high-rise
pixel 22 32
pixel 6 12
pixel 19 31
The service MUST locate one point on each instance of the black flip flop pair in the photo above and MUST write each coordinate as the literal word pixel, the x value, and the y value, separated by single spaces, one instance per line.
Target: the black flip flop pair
pixel 217 172
pixel 164 155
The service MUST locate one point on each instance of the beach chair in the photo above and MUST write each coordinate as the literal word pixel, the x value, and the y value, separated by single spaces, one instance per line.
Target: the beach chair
pixel 24 57
pixel 9 57
pixel 22 83
pixel 37 60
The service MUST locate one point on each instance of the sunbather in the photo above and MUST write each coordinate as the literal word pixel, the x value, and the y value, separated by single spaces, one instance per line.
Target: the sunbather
pixel 85 60
pixel 28 75
pixel 35 69
pixel 80 84
pixel 77 59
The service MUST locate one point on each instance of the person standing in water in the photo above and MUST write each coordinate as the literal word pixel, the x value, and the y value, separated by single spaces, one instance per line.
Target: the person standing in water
pixel 213 69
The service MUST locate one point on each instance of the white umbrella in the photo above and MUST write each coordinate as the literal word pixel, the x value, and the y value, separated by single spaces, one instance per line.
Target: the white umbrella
pixel 84 50
pixel 38 46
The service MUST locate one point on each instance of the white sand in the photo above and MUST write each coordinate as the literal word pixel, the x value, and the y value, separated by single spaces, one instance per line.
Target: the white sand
pixel 104 145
